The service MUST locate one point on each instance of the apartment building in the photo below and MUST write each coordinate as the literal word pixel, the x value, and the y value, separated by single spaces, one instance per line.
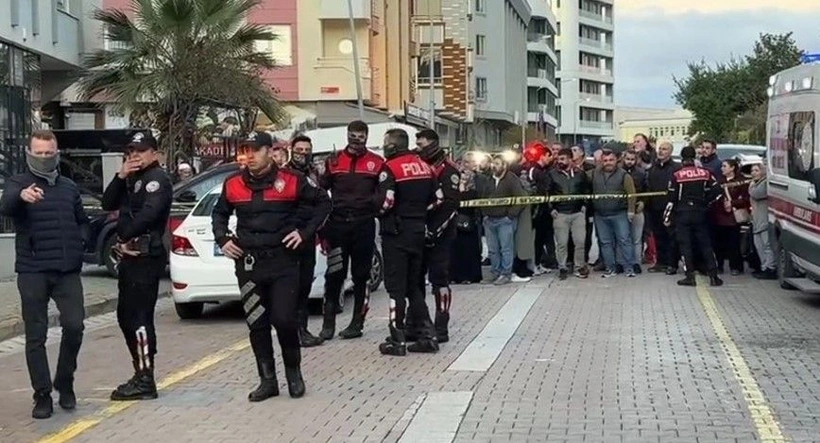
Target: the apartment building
pixel 542 66
pixel 41 42
pixel 584 44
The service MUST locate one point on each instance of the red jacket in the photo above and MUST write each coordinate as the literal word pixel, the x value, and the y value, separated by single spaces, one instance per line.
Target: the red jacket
pixel 740 200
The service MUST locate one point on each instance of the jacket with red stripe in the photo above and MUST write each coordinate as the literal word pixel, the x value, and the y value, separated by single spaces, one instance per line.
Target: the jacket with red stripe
pixel 408 189
pixel 448 178
pixel 352 182
pixel 692 189
pixel 268 208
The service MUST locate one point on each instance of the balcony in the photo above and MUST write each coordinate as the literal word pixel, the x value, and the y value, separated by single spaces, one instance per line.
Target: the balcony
pixel 593 19
pixel 606 126
pixel 595 70
pixel 596 98
pixel 597 46
pixel 66 37
pixel 543 43
pixel 334 78
pixel 336 9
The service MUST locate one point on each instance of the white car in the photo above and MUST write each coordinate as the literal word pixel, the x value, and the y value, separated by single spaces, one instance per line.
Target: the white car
pixel 200 274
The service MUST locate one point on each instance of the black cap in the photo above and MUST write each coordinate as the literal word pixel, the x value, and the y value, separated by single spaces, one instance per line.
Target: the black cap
pixel 257 140
pixel 688 153
pixel 142 141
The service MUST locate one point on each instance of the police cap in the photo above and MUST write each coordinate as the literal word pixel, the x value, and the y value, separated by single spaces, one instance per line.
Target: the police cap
pixel 141 141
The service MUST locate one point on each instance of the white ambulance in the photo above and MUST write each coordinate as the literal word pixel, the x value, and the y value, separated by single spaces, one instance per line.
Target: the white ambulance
pixel 794 174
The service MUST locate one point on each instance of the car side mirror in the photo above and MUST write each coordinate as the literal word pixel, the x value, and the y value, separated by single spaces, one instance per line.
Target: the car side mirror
pixel 187 197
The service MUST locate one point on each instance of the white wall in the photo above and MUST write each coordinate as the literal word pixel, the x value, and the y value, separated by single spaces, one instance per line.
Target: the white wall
pixel 6 255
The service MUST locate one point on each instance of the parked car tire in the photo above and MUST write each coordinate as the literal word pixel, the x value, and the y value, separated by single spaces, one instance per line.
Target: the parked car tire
pixel 189 311
pixel 376 272
pixel 785 267
pixel 109 260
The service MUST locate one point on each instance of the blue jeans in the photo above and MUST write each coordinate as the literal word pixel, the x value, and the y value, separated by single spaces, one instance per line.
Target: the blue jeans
pixel 614 229
pixel 500 233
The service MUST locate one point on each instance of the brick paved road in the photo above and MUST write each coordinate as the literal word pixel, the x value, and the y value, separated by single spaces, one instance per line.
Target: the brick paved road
pixel 601 360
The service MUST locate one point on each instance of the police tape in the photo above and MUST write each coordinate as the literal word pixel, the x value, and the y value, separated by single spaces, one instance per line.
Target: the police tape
pixel 540 199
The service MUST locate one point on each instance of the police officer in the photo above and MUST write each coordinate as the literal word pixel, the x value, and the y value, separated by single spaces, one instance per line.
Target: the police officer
pixel 407 190
pixel 276 211
pixel 142 193
pixel 441 233
pixel 351 176
pixel 301 149
pixel 691 190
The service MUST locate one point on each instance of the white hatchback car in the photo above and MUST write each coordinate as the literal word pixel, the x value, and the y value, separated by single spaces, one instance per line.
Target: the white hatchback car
pixel 200 274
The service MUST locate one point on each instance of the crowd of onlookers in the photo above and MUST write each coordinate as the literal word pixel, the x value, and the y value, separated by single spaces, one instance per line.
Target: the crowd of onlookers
pixel 612 236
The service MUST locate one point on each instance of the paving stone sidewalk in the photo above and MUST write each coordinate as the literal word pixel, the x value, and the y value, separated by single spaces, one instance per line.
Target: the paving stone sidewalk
pixel 100 298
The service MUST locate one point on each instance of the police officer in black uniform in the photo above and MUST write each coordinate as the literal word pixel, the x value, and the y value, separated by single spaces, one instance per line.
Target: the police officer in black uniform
pixel 351 176
pixel 301 149
pixel 691 191
pixel 407 190
pixel 441 234
pixel 142 192
pixel 276 209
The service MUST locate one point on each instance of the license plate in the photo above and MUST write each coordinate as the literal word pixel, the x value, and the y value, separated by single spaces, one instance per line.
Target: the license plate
pixel 217 250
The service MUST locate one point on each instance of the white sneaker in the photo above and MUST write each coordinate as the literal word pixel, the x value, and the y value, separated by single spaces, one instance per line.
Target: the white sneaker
pixel 516 279
pixel 539 270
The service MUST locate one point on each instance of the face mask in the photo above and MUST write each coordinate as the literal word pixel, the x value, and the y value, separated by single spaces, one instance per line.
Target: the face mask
pixel 389 150
pixel 45 167
pixel 356 145
pixel 430 152
pixel 300 159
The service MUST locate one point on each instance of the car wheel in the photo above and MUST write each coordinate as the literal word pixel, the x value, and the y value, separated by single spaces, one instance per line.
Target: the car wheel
pixel 376 272
pixel 785 268
pixel 189 311
pixel 110 261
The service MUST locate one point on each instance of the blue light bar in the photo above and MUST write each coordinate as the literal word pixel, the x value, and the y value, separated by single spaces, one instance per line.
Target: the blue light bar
pixel 810 58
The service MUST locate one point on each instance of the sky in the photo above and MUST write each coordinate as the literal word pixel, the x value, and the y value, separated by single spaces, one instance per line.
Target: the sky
pixel 654 39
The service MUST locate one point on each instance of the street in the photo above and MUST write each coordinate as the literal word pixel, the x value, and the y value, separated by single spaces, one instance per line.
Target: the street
pixel 597 360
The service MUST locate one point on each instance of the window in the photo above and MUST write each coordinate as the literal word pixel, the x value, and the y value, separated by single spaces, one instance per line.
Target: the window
pixel 206 206
pixel 423 66
pixel 801 145
pixel 480 89
pixel 479 6
pixel 209 180
pixel 281 49
pixel 426 7
pixel 479 45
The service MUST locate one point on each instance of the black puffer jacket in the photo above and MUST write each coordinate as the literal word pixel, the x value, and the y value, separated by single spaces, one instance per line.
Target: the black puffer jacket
pixel 50 234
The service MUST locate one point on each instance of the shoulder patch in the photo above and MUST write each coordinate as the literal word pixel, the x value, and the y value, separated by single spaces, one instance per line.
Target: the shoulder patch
pixel 137 186
pixel 383 176
pixel 152 186
pixel 455 179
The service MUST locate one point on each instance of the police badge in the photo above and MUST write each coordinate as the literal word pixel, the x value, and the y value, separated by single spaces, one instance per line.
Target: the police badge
pixel 137 186
pixel 279 185
pixel 383 176
pixel 371 166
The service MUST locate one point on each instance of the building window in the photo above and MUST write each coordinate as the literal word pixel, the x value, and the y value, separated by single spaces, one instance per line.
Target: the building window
pixel 479 6
pixel 480 89
pixel 426 8
pixel 281 49
pixel 479 45
pixel 423 66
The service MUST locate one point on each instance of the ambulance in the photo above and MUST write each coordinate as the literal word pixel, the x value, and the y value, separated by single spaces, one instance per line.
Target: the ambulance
pixel 793 133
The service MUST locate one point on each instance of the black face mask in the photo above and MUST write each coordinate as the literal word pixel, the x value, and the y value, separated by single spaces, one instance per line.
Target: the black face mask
pixel 390 150
pixel 300 160
pixel 356 145
pixel 431 152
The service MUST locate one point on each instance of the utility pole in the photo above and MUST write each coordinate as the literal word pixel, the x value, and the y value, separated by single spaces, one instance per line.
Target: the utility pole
pixel 355 59
pixel 431 70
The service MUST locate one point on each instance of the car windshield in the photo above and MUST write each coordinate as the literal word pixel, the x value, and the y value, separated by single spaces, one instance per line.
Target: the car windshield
pixel 206 205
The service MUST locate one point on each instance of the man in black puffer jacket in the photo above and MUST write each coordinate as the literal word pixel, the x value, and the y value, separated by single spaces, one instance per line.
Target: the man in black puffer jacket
pixel 51 228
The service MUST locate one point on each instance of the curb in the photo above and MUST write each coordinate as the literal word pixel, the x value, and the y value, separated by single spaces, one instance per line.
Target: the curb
pixel 16 327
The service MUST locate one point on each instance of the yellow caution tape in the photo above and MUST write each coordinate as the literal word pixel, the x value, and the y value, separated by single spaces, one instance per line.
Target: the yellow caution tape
pixel 539 199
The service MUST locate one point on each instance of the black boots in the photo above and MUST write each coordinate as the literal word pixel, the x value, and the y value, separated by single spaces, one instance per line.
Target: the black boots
pixel 140 387
pixel 43 405
pixel 68 400
pixel 268 385
pixel 329 321
pixel 689 280
pixel 395 344
pixel 306 339
pixel 293 372
pixel 441 322
pixel 354 329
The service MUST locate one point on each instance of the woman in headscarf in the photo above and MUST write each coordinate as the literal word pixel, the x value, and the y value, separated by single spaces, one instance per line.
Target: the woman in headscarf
pixel 465 259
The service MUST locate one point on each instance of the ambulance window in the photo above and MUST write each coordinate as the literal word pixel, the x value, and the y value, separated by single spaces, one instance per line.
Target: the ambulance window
pixel 801 145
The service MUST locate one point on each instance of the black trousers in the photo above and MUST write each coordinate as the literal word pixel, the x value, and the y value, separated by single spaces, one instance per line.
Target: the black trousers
pixel 726 243
pixel 545 240
pixel 436 266
pixel 138 287
pixel 668 253
pixel 307 265
pixel 692 230
pixel 270 297
pixel 353 241
pixel 402 271
pixel 67 292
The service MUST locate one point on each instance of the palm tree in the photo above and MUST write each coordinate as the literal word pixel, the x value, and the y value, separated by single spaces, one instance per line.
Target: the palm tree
pixel 178 58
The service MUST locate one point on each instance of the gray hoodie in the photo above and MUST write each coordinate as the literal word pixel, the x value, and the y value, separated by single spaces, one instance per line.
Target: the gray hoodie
pixel 760 206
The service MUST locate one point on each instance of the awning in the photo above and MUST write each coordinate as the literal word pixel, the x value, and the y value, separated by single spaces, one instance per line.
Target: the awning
pixel 330 114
